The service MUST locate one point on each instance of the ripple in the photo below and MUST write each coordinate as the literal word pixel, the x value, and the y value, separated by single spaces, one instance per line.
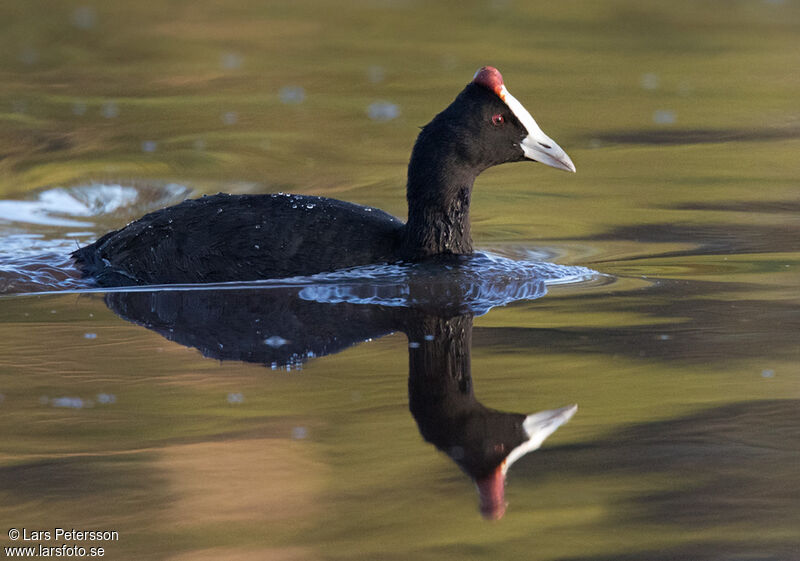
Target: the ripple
pixel 39 261
pixel 475 283
pixel 60 206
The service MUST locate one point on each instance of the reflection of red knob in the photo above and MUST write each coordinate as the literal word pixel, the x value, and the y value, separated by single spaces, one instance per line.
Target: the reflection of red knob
pixel 492 493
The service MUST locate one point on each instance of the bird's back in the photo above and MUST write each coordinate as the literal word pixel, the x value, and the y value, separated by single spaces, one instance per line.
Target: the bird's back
pixel 223 238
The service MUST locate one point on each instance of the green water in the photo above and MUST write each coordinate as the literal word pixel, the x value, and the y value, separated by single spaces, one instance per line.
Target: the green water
pixel 683 121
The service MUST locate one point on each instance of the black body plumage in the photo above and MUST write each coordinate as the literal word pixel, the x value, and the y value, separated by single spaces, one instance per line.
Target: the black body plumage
pixel 223 237
pixel 248 237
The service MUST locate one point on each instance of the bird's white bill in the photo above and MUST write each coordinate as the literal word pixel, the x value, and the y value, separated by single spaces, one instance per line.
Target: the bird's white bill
pixel 537 146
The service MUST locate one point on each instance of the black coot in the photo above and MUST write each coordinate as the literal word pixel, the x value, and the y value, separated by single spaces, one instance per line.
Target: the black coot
pixel 249 237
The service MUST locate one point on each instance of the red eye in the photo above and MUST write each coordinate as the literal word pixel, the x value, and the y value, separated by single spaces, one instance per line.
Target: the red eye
pixel 498 120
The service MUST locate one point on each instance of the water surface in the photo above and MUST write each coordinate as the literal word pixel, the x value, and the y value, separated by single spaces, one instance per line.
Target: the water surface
pixel 119 410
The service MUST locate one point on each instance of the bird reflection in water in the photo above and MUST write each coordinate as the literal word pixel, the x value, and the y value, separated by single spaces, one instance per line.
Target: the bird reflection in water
pixel 484 442
pixel 283 326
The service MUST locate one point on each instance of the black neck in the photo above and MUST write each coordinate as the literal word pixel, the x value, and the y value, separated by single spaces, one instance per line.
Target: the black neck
pixel 438 192
pixel 440 373
pixel 442 401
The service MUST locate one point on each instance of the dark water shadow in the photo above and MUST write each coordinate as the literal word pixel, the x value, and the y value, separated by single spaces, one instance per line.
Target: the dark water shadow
pixel 709 239
pixel 693 322
pixel 752 206
pixel 734 236
pixel 736 465
pixel 121 487
pixel 70 479
pixel 674 136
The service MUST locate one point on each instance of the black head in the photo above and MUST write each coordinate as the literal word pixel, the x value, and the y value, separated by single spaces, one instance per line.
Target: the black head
pixel 486 126
pixel 480 439
pixel 485 442
pixel 483 130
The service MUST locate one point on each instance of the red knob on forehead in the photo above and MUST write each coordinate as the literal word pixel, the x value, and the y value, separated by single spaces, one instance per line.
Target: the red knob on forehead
pixel 489 77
